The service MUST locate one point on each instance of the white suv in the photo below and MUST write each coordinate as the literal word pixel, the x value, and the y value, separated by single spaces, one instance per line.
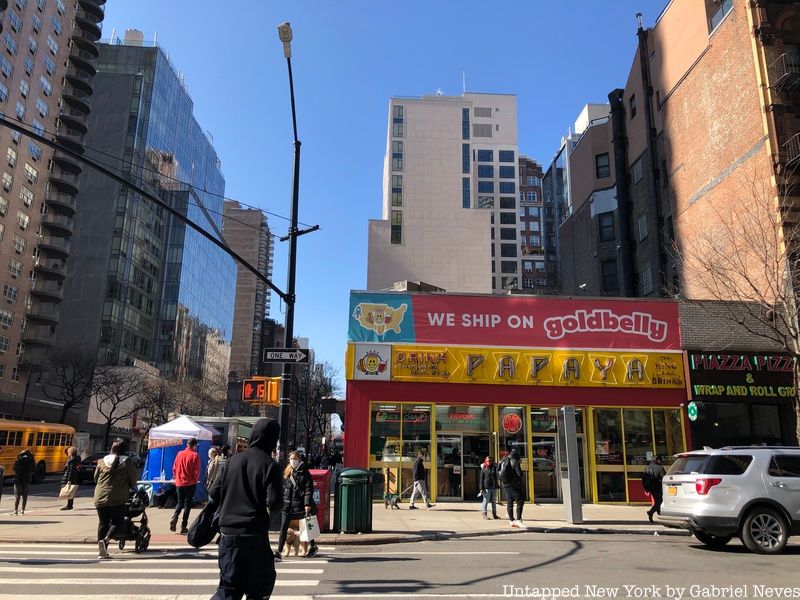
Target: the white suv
pixel 750 492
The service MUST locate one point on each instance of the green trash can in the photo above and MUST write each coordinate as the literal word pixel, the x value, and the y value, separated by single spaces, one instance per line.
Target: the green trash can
pixel 353 501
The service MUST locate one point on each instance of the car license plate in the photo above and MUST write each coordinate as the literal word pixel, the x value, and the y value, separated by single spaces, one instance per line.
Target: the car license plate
pixel 672 490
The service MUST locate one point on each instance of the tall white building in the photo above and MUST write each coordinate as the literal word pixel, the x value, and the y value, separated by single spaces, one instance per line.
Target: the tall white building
pixel 449 195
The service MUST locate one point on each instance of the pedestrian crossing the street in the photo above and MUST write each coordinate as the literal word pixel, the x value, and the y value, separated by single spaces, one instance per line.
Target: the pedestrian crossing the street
pixel 163 572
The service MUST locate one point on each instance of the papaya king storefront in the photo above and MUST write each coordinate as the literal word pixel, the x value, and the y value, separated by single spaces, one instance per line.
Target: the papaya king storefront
pixel 461 377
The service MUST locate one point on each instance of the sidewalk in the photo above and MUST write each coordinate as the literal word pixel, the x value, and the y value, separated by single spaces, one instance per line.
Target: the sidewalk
pixel 44 522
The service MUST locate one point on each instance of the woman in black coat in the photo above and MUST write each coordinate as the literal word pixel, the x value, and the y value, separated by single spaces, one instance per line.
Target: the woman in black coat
pixel 71 474
pixel 298 499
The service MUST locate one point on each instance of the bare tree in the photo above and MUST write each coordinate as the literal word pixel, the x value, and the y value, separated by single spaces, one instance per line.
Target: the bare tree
pixel 749 258
pixel 69 381
pixel 159 399
pixel 117 395
pixel 198 397
pixel 317 382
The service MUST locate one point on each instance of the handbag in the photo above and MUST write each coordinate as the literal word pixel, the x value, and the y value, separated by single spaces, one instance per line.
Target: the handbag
pixel 68 491
pixel 204 527
pixel 309 529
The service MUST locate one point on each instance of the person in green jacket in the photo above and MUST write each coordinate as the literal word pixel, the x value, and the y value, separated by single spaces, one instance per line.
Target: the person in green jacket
pixel 115 475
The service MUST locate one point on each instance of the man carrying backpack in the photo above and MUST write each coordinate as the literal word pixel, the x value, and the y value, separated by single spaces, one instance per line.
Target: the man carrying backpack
pixel 511 478
pixel 651 482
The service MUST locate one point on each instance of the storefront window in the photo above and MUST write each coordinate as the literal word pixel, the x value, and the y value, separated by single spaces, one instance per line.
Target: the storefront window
pixel 384 441
pixel 638 437
pixel 416 438
pixel 611 487
pixel 608 437
pixel 544 420
pixel 512 432
pixel 462 418
pixel 669 436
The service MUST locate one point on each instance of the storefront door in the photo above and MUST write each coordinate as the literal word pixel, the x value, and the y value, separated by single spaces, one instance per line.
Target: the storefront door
pixel 450 467
pixel 475 450
pixel 546 476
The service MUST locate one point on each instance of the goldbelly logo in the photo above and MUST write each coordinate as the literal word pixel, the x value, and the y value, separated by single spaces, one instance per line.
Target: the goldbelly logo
pixel 371 364
pixel 380 318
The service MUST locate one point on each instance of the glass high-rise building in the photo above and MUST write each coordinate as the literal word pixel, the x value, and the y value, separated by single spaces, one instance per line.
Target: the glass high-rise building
pixel 141 284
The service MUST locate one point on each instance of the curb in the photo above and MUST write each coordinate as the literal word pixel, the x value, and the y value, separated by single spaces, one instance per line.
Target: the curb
pixel 365 540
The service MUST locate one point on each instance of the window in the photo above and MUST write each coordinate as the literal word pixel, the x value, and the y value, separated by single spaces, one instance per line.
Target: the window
pixel 49 66
pixel 508 187
pixel 23 220
pixel 719 15
pixel 37 24
pixel 608 270
pixel 19 244
pixel 6 68
pixel 486 187
pixel 465 158
pixel 34 150
pixel 60 7
pixel 6 318
pixel 464 123
pixel 397 156
pixel 57 27
pixel 3 206
pixel 532 196
pixel 4 343
pixel 483 130
pixel 31 173
pixel 10 292
pixel 47 87
pixel 602 166
pixel 508 266
pixel 647 281
pixel 33 45
pixel 20 110
pixel 42 107
pixel 37 127
pixel 15 374
pixel 508 218
pixel 606 221
pixel 465 192
pixel 508 202
pixel 20 349
pixel 535 212
pixel 15 268
pixel 485 171
pixel 508 233
pixel 506 156
pixel 637 171
pixel 12 157
pixel 8 181
pixel 632 104
pixel 11 43
pixel 22 4
pixel 486 202
pixel 4 92
pixel 508 250
pixel 532 180
pixel 24 88
pixel 16 22
pixel 642 224
pixel 482 112
pixel 785 465
pixel 397 190
pixel 397 227
pixel 41 4
pixel 28 65
pixel 507 172
pixel 485 156
pixel 52 44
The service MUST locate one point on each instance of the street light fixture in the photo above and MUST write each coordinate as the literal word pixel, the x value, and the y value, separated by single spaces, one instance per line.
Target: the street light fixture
pixel 285 35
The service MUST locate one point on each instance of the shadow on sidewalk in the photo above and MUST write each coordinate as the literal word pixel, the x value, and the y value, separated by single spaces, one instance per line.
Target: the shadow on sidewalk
pixel 21 522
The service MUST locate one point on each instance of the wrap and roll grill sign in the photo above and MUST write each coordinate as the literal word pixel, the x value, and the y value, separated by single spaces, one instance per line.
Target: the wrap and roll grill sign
pixel 732 376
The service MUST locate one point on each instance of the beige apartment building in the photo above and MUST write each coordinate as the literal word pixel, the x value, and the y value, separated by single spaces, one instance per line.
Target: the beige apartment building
pixel 47 66
pixel 450 189
pixel 246 230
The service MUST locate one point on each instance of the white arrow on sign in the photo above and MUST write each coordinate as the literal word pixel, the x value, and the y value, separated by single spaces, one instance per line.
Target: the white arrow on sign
pixel 296 355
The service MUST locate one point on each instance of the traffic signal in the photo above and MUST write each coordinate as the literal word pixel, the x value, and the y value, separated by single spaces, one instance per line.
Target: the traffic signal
pixel 262 390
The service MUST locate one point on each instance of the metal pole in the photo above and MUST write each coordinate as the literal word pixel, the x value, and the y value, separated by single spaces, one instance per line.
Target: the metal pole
pixel 286 381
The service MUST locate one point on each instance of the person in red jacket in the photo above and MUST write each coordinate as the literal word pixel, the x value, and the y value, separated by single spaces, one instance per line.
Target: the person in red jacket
pixel 186 472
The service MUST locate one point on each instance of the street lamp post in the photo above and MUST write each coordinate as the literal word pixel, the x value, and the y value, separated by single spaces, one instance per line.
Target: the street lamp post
pixel 285 35
pixel 34 369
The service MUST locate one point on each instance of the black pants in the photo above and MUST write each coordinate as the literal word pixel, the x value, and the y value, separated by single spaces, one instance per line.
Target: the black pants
pixel 658 498
pixel 185 497
pixel 111 520
pixel 514 495
pixel 246 567
pixel 285 520
pixel 21 490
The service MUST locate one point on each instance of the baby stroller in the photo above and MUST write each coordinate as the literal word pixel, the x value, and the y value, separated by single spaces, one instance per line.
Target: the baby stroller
pixel 137 532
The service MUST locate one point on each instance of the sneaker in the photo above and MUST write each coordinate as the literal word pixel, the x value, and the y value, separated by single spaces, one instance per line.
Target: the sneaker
pixel 495 517
pixel 102 549
pixel 429 506
pixel 485 516
pixel 521 524
pixel 278 557
pixel 412 507
pixel 173 524
pixel 312 551
pixel 13 513
pixel 66 508
pixel 184 530
pixel 513 524
pixel 22 512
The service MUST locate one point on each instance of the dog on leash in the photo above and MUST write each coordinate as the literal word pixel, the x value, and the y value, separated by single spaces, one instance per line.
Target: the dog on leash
pixel 293 540
pixel 391 500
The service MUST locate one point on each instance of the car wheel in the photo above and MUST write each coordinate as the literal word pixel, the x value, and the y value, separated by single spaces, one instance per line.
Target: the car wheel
pixel 764 531
pixel 39 472
pixel 710 540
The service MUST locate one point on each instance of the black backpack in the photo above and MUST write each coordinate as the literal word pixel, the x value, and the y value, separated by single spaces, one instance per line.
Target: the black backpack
pixel 506 472
pixel 649 481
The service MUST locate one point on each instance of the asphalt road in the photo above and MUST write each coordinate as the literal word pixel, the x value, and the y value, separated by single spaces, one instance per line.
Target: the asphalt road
pixel 589 566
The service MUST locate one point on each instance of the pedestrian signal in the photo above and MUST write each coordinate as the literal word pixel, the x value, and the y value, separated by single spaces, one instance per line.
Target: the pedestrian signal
pixel 262 390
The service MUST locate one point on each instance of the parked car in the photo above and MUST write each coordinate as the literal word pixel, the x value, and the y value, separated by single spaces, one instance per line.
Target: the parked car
pixel 88 465
pixel 748 492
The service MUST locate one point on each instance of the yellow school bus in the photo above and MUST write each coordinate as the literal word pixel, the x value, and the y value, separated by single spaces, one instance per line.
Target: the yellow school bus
pixel 46 441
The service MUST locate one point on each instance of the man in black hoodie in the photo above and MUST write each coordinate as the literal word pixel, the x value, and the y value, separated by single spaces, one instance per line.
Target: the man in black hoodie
pixel 250 486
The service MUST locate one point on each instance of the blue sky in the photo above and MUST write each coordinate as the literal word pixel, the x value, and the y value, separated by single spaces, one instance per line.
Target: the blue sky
pixel 349 58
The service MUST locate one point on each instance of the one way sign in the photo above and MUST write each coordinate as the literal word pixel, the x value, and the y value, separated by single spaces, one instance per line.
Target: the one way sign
pixel 284 355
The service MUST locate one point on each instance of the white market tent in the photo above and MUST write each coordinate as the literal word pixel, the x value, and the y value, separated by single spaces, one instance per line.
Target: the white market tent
pixel 180 428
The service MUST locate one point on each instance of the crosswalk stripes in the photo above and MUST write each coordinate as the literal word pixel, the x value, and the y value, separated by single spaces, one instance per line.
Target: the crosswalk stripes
pixel 164 572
